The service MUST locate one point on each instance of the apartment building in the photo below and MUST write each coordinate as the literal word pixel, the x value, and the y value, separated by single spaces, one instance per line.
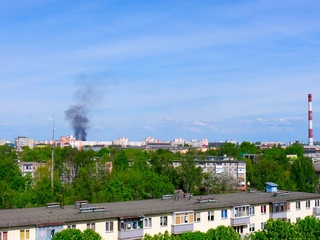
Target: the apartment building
pixel 20 142
pixel 29 167
pixel 245 211
pixel 222 164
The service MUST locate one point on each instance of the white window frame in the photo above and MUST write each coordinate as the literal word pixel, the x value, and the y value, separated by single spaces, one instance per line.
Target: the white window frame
pixel 109 226
pixel 308 204
pixel 72 226
pixel 210 216
pixel 252 211
pixel 262 225
pixel 264 207
pixel 317 203
pixel 252 227
pixel 238 229
pixel 147 222
pixel 164 221
pixel 298 205
pixel 91 226
pixel 197 217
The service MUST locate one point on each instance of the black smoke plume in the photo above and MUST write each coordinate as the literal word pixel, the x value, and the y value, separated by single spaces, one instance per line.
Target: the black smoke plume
pixel 77 114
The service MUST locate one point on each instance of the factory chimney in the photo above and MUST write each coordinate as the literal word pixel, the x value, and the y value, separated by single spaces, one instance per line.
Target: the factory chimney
pixel 310 120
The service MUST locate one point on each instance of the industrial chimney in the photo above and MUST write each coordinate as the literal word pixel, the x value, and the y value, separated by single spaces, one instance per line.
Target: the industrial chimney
pixel 310 120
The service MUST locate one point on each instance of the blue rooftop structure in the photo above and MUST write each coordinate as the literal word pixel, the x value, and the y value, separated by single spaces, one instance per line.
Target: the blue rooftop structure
pixel 271 187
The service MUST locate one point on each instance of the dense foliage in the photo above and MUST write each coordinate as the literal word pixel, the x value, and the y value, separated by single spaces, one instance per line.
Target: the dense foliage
pixel 220 233
pixel 76 234
pixel 138 174
pixel 308 228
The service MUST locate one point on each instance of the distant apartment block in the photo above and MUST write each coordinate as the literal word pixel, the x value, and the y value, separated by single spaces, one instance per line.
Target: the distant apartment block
pixel 30 167
pixel 68 141
pixel 219 165
pixel 20 142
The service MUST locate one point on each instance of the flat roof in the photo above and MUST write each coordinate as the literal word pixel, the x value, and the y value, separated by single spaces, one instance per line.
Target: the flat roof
pixel 70 214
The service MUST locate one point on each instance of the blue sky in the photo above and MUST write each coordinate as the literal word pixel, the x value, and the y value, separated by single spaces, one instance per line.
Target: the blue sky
pixel 193 69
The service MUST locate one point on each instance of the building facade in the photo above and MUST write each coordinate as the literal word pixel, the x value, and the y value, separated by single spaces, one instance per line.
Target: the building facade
pixel 20 142
pixel 30 167
pixel 246 212
pixel 219 165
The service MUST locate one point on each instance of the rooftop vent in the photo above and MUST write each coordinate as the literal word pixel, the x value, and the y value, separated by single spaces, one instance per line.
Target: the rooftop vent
pixel 280 193
pixel 92 209
pixel 165 197
pixel 53 205
pixel 207 200
pixel 80 203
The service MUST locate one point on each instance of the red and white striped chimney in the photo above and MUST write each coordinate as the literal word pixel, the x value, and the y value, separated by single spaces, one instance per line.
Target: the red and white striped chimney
pixel 310 121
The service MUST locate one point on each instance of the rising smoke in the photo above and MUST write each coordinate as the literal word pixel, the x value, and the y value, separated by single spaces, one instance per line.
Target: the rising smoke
pixel 85 96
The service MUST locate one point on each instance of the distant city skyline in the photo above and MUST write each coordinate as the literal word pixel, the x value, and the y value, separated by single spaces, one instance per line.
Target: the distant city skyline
pixel 183 69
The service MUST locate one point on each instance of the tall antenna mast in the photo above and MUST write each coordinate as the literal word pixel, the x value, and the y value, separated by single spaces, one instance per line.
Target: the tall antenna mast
pixel 310 120
pixel 52 155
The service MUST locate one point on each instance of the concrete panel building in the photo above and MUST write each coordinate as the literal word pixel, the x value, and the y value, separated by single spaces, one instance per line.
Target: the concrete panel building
pixel 244 211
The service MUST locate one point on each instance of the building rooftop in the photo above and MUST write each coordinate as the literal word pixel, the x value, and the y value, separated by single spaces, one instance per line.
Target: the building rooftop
pixel 69 214
pixel 271 184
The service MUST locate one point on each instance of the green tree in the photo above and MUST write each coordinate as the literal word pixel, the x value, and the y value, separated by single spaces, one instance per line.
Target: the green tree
pixel 223 232
pixel 76 234
pixel 309 227
pixel 190 175
pixel 121 161
pixel 278 229
pixel 304 175
pixel 246 147
pixel 229 149
pixel 116 191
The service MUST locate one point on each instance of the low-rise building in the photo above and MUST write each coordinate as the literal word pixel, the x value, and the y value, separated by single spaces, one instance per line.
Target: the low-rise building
pixel 30 167
pixel 222 164
pixel 246 212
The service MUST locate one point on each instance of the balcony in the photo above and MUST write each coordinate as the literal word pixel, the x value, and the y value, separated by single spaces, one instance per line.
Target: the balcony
pixel 177 229
pixel 316 211
pixel 239 221
pixel 131 234
pixel 276 215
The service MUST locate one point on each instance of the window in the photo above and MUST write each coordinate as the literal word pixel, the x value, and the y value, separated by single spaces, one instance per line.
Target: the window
pixel 91 226
pixel 184 218
pixel 25 234
pixel 288 206
pixel 317 203
pixel 262 225
pixel 278 207
pixel 147 222
pixel 241 211
pixel 251 211
pixel 131 224
pixel 197 217
pixel 251 227
pixel 264 209
pixel 298 206
pixel 308 204
pixel 109 226
pixel 164 221
pixel 72 226
pixel 224 214
pixel 238 229
pixel 211 216
pixel 3 235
